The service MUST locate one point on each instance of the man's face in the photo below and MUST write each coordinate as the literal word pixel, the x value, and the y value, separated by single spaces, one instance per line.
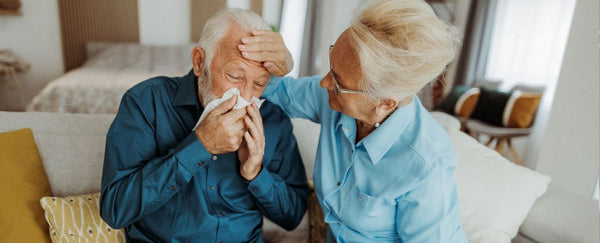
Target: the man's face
pixel 229 69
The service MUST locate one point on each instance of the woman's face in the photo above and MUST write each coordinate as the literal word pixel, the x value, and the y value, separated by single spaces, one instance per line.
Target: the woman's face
pixel 345 67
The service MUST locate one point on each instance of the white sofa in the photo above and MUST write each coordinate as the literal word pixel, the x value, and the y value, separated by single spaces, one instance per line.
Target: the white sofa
pixel 496 196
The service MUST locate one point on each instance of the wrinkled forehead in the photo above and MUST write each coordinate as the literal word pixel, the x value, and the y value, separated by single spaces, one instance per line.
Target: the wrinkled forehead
pixel 227 48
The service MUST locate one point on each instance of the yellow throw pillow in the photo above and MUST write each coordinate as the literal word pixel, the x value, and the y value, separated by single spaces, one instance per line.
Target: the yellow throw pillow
pixel 521 109
pixel 77 219
pixel 23 182
pixel 466 103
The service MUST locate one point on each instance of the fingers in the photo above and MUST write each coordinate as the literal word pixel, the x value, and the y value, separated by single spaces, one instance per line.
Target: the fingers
pixel 235 115
pixel 249 141
pixel 255 117
pixel 262 35
pixel 262 56
pixel 225 106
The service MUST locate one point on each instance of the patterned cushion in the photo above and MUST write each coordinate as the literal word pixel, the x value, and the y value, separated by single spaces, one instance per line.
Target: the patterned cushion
pixel 77 219
pixel 461 101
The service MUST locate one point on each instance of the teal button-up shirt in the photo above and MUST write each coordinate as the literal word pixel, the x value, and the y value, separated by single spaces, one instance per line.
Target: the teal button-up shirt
pixel 162 185
pixel 395 185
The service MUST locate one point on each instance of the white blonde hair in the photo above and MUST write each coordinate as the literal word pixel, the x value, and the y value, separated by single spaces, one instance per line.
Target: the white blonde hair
pixel 401 45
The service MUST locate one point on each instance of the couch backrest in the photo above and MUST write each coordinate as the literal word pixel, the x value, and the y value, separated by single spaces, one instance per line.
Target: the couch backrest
pixel 72 146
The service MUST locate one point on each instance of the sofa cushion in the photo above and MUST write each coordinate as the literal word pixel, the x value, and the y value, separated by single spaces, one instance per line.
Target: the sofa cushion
pixel 71 147
pixel 460 101
pixel 77 219
pixel 495 194
pixel 509 109
pixel 22 183
pixel 547 220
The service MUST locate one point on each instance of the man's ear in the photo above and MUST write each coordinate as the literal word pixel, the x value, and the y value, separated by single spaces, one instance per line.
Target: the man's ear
pixel 198 60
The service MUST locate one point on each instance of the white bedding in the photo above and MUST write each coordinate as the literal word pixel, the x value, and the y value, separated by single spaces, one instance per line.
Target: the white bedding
pixel 111 69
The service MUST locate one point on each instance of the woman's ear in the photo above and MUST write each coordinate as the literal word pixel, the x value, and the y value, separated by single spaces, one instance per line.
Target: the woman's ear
pixel 387 105
pixel 198 60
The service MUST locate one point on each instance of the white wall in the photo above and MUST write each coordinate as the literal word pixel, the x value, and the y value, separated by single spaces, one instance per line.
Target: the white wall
pixel 35 37
pixel 164 22
pixel 570 151
pixel 336 16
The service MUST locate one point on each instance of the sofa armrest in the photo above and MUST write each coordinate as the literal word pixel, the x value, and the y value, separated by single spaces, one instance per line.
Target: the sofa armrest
pixel 561 215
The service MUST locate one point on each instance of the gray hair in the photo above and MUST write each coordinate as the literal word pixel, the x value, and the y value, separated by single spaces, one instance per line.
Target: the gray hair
pixel 217 26
pixel 213 32
pixel 401 45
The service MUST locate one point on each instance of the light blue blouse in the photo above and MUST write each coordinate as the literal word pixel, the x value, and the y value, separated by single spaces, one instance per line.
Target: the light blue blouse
pixel 396 184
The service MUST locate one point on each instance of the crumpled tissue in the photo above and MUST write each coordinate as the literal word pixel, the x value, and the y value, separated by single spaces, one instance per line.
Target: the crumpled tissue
pixel 241 103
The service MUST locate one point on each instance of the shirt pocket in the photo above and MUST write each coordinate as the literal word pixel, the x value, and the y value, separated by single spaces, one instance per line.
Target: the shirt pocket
pixel 364 212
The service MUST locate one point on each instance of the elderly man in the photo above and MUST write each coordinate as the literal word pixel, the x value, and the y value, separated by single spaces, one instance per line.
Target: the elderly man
pixel 166 179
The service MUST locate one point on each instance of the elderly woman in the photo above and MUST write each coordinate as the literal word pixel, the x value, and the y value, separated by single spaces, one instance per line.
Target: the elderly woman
pixel 384 168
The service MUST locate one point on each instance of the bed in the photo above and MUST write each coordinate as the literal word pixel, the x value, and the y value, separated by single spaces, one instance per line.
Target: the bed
pixel 110 70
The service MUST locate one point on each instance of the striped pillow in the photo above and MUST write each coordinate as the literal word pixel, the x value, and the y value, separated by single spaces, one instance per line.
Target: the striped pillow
pixel 461 101
pixel 516 109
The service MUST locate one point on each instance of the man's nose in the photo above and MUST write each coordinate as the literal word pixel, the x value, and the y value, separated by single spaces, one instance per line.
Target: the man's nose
pixel 246 92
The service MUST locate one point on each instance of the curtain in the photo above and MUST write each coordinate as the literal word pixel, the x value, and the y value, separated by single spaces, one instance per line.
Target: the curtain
pixel 474 53
pixel 528 41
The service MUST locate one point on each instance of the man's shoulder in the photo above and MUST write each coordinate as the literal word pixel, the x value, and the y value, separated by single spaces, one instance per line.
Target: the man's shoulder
pixel 273 115
pixel 153 85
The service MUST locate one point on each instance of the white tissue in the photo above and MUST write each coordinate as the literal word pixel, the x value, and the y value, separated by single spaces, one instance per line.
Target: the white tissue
pixel 241 103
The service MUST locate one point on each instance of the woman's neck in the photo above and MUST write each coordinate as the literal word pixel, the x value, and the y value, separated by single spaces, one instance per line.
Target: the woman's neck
pixel 363 128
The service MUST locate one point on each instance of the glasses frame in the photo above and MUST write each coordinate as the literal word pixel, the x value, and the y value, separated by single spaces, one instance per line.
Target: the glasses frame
pixel 339 90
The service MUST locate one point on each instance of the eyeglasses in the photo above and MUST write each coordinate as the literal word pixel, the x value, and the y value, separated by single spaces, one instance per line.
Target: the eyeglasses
pixel 335 78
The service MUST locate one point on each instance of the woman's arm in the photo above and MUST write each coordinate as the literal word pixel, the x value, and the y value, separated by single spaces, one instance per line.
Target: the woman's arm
pixel 299 98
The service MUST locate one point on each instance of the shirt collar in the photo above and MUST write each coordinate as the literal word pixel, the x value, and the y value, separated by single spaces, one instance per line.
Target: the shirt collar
pixel 187 92
pixel 379 142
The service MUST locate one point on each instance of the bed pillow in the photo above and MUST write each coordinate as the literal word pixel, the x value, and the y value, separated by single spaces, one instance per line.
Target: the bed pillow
pixel 77 219
pixel 495 194
pixel 507 109
pixel 22 182
pixel 461 101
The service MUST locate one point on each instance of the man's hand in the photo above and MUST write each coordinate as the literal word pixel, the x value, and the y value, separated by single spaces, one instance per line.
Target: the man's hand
pixel 252 149
pixel 223 128
pixel 268 47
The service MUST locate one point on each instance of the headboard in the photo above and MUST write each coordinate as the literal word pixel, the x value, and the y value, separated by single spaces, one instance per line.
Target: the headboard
pixel 117 20
pixel 106 20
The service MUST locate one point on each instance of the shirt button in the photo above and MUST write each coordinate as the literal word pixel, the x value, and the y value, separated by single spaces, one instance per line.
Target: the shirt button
pixel 173 187
pixel 214 157
pixel 221 213
pixel 347 129
pixel 339 183
pixel 254 189
pixel 211 187
pixel 201 163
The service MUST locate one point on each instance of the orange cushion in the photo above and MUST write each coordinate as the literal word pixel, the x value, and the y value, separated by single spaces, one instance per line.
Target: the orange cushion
pixel 523 110
pixel 23 182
